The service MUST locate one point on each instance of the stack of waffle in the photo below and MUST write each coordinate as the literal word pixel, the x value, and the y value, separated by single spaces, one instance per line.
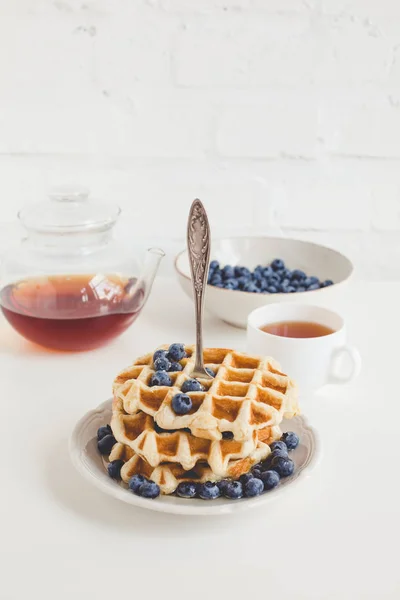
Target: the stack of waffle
pixel 229 428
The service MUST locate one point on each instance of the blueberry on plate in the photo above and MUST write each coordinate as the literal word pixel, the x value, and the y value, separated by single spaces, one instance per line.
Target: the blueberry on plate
pixel 291 440
pixel 280 445
pixel 327 283
pixel 103 431
pixel 181 404
pixel 228 272
pixel 210 372
pixel 277 452
pixel 245 478
pixel 106 443
pixel 175 366
pixel 270 479
pixel 253 487
pixel 214 264
pixel 186 489
pixel 160 378
pixel 149 489
pixel 135 482
pixel 233 490
pixel 159 354
pixel 176 352
pixel 114 468
pixel 227 435
pixel 283 465
pixel 192 385
pixel 221 484
pixel 277 264
pixel 231 284
pixel 257 473
pixel 162 364
pixel 209 490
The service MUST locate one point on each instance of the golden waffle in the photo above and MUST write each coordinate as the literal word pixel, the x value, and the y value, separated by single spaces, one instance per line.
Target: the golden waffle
pixel 181 447
pixel 248 393
pixel 169 475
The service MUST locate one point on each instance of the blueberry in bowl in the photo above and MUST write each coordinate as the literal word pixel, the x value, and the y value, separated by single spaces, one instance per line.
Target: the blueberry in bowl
pixel 249 272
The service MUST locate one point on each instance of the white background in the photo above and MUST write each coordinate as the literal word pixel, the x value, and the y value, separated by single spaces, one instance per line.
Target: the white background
pixel 274 112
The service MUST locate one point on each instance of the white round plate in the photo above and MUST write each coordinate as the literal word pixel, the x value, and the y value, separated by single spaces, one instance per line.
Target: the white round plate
pixel 88 461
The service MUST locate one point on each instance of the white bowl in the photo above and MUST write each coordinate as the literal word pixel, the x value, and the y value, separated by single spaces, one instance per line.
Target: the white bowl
pixel 233 306
pixel 87 460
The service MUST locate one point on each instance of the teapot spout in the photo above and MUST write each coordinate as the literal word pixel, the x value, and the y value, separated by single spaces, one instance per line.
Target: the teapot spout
pixel 137 291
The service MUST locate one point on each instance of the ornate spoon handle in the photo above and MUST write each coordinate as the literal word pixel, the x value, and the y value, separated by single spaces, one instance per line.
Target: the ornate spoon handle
pixel 198 244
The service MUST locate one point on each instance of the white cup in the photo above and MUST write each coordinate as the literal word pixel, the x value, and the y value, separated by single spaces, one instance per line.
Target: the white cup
pixel 311 362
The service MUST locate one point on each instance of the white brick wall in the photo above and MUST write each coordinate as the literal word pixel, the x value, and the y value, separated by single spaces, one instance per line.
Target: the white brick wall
pixel 282 115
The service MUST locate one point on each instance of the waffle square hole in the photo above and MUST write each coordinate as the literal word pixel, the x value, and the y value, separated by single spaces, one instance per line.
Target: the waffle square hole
pixel 168 444
pixel 130 373
pixel 242 375
pixel 244 362
pixel 197 399
pixel 233 389
pixel 267 397
pixel 272 382
pixel 215 355
pixel 226 408
pixel 153 397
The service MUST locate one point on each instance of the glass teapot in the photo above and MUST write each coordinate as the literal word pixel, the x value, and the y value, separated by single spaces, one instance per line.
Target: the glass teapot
pixel 70 285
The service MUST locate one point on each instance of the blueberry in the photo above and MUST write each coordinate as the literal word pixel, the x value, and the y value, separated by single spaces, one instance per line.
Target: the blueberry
pixel 228 272
pixel 272 289
pixel 227 435
pixel 314 286
pixel 162 364
pixel 210 277
pixel 270 479
pixel 176 352
pixel 253 487
pixel 242 281
pixel 181 404
pixel 210 372
pixel 277 452
pixel 209 490
pixel 283 289
pixel 274 280
pixel 257 473
pixel 282 465
pixel 327 283
pixel 301 288
pixel 258 275
pixel 280 445
pixel 135 482
pixel 218 285
pixel 251 287
pixel 214 264
pixel 215 279
pixel 192 385
pixel 106 443
pixel 242 272
pixel 186 489
pixel 159 429
pixel 246 477
pixel 298 274
pixel 149 489
pixel 277 264
pixel 159 354
pixel 233 490
pixel 103 431
pixel 160 378
pixel 310 280
pixel 264 283
pixel 291 440
pixel 114 468
pixel 285 282
pixel 175 366
pixel 221 484
pixel 285 273
pixel 291 289
pixel 231 284
pixel 267 272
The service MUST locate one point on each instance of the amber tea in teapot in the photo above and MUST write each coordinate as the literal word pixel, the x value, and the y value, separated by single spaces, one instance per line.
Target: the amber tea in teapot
pixel 70 312
pixel 70 285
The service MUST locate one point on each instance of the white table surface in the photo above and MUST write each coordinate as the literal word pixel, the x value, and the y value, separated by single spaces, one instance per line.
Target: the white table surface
pixel 336 536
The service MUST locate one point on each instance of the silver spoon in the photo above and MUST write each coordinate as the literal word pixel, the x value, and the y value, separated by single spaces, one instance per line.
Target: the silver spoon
pixel 198 244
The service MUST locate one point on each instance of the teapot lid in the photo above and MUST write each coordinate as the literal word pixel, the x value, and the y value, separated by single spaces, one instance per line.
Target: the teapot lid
pixel 69 210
